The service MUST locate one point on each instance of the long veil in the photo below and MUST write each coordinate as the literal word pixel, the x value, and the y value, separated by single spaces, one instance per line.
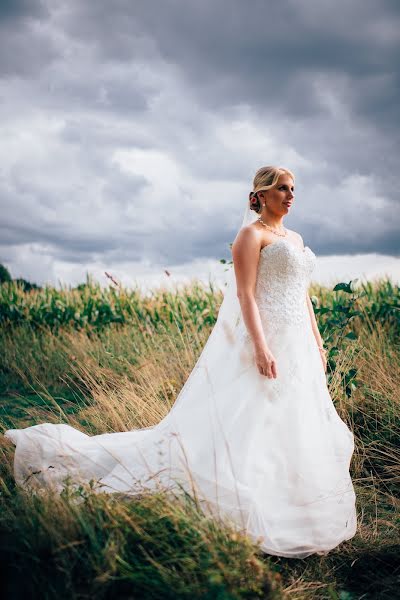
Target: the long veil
pixel 188 439
pixel 209 371
pixel 199 446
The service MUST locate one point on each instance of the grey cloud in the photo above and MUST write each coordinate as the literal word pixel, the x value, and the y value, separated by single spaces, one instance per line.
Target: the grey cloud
pixel 253 52
pixel 325 243
pixel 268 56
pixel 21 58
pixel 12 10
pixel 26 46
pixel 314 84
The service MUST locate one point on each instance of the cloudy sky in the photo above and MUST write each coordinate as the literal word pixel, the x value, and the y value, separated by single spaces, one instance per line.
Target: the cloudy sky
pixel 131 132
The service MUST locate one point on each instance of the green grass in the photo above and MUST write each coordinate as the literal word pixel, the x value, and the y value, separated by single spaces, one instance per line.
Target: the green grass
pixel 127 375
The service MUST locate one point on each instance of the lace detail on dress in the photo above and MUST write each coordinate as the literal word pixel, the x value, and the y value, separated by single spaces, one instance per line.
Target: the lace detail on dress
pixel 283 277
pixel 282 281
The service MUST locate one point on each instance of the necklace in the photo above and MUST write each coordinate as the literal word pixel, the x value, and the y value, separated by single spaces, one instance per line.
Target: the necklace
pixel 272 228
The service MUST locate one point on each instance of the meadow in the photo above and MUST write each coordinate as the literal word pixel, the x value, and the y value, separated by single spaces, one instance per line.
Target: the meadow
pixel 112 359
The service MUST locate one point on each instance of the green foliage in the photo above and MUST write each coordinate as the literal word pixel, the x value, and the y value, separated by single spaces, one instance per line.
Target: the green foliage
pixel 110 547
pixel 89 306
pixel 363 303
pixel 26 285
pixel 345 310
pixel 86 545
pixel 4 274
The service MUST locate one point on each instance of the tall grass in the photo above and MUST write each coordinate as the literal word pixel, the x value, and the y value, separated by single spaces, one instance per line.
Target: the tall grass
pixel 105 547
pixel 116 378
pixel 91 307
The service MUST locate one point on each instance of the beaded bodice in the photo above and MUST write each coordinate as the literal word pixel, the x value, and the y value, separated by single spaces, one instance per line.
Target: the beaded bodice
pixel 283 277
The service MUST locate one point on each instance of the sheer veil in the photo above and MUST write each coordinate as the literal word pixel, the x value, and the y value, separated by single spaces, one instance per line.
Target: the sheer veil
pixel 223 348
pixel 195 422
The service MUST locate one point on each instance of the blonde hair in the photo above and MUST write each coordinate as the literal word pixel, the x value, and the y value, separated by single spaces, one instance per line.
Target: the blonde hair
pixel 264 179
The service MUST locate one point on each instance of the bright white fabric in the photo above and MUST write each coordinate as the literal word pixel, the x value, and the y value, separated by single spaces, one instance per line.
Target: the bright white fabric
pixel 271 456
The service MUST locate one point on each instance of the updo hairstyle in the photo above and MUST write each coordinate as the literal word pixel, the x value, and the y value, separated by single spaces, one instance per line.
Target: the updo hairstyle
pixel 264 179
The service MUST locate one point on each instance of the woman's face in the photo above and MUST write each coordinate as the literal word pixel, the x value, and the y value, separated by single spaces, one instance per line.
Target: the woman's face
pixel 279 198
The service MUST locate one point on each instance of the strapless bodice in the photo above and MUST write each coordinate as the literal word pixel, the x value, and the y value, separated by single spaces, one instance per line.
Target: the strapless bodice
pixel 283 278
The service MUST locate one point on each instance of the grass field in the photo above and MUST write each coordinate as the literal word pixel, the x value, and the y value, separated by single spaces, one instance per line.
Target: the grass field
pixel 112 360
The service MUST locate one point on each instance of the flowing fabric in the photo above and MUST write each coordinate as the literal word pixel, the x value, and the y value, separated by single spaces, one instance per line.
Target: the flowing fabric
pixel 271 456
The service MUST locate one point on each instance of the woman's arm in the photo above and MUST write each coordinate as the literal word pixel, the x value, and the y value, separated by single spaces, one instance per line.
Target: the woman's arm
pixel 317 335
pixel 246 254
pixel 314 324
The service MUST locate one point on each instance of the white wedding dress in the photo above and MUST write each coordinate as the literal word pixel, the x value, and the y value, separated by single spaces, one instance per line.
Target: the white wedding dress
pixel 271 456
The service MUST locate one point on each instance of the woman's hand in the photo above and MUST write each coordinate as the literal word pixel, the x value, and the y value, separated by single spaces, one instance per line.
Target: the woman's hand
pixel 265 362
pixel 322 352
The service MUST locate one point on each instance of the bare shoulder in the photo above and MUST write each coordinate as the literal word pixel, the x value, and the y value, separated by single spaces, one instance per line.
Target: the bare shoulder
pixel 247 236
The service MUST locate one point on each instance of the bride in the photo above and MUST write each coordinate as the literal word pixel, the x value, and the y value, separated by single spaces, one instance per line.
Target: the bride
pixel 253 432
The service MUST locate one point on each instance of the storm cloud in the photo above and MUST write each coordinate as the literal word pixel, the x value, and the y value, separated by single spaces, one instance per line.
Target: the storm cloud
pixel 131 131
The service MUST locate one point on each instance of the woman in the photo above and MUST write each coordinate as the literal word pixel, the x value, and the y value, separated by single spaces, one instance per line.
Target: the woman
pixel 254 432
